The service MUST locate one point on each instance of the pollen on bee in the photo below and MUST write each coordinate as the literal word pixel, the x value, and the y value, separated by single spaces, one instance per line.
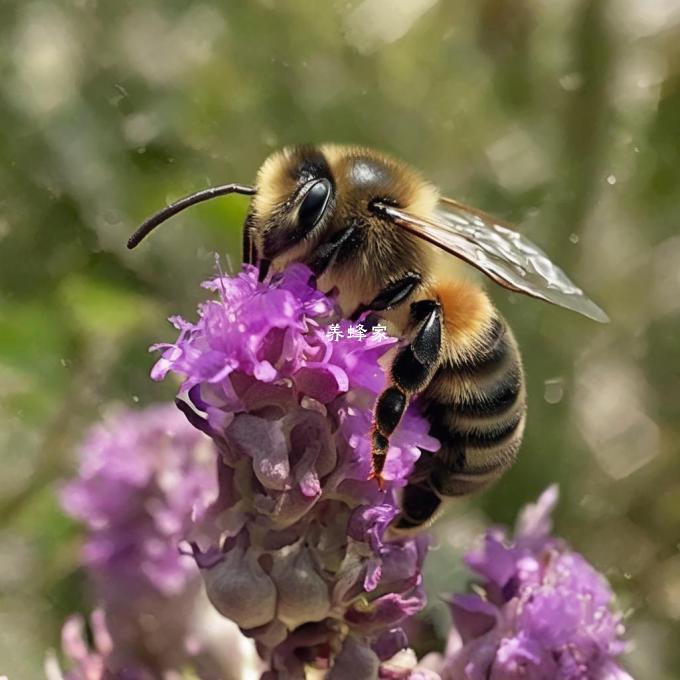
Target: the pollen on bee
pixel 467 311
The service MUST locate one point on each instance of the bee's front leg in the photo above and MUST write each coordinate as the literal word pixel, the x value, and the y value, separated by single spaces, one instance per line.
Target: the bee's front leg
pixel 411 371
pixel 327 253
pixel 394 294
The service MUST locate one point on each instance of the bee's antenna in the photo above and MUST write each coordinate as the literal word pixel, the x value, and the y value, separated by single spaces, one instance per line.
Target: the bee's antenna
pixel 162 215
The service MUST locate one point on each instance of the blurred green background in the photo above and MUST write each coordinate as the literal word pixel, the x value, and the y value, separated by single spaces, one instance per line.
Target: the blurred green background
pixel 563 116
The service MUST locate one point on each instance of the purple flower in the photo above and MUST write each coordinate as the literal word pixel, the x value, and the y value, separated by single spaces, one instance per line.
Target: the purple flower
pixel 214 649
pixel 293 549
pixel 142 476
pixel 544 612
pixel 85 663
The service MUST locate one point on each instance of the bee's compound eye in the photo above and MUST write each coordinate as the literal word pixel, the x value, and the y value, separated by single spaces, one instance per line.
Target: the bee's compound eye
pixel 314 204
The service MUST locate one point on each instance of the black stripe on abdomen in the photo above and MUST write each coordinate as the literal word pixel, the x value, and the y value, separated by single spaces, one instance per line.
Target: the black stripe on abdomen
pixel 490 356
pixel 476 410
pixel 497 398
pixel 481 435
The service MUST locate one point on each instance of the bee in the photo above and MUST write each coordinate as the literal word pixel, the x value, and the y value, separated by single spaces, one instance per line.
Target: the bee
pixel 371 228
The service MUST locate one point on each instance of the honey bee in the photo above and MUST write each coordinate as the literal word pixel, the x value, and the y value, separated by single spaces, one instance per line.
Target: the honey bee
pixel 371 228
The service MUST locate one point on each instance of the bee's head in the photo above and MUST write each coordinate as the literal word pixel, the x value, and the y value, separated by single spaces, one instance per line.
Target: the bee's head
pixel 306 192
pixel 303 193
pixel 295 202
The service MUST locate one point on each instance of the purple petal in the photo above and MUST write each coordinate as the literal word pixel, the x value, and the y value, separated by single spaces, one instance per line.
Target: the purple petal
pixel 535 521
pixel 264 442
pixel 386 611
pixel 494 561
pixel 321 382
pixel 389 643
pixel 472 616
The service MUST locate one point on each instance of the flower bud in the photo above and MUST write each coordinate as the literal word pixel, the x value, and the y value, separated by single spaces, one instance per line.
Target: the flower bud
pixel 239 589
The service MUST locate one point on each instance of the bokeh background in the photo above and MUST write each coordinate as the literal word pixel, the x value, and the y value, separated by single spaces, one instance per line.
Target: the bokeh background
pixel 560 115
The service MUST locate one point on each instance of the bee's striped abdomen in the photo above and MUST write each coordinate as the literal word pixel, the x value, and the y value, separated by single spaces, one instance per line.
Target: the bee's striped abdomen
pixel 476 408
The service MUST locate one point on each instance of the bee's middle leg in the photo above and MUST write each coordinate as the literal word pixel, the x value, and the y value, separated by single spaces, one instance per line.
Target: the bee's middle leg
pixel 411 371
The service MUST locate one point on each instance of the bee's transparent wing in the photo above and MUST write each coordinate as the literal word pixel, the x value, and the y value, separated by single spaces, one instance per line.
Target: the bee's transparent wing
pixel 504 255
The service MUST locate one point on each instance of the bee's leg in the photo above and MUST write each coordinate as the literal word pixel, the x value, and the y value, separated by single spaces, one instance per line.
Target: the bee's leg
pixel 263 269
pixel 420 506
pixel 411 371
pixel 392 295
pixel 326 253
pixel 248 248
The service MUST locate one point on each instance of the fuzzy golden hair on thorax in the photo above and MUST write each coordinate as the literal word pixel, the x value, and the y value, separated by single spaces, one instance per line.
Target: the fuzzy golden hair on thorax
pixel 357 173
pixel 363 172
